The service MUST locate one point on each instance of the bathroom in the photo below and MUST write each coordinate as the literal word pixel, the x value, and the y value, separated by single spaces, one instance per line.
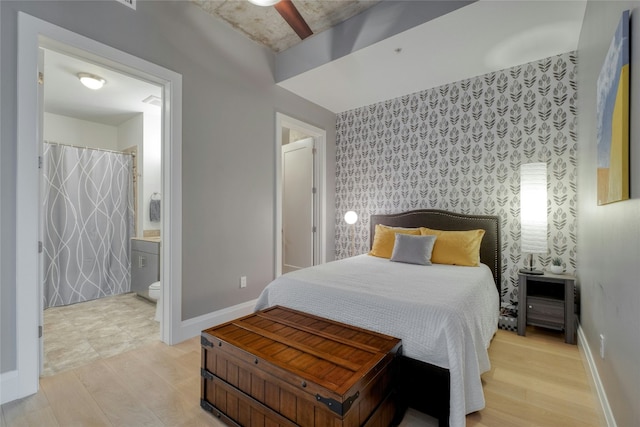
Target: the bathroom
pixel 121 124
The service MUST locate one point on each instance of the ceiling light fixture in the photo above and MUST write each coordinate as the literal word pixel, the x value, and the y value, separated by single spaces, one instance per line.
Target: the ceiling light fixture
pixel 264 2
pixel 91 80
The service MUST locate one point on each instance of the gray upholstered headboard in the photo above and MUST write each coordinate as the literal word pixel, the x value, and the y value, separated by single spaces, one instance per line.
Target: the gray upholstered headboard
pixel 490 248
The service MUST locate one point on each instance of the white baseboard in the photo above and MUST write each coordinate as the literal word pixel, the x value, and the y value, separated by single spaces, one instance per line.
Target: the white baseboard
pixel 583 345
pixel 9 387
pixel 193 327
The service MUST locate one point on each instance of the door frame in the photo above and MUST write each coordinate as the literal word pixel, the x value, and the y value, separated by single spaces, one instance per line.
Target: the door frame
pixel 302 144
pixel 32 34
pixel 320 165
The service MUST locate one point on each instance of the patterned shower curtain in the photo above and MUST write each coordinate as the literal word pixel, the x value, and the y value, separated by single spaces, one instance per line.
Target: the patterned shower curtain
pixel 88 208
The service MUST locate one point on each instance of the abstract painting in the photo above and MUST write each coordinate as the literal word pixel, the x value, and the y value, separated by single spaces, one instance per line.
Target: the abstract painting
pixel 613 118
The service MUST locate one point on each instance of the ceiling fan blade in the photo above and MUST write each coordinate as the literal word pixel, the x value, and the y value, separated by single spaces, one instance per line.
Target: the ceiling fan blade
pixel 290 14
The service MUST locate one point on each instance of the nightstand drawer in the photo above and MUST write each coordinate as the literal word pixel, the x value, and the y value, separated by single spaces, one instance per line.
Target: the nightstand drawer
pixel 545 312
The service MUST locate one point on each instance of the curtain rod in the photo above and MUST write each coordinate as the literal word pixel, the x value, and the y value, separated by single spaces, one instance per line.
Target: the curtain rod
pixel 91 148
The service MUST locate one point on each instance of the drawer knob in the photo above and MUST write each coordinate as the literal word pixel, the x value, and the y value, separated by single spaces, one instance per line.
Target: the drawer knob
pixel 255 361
pixel 219 343
pixel 530 306
pixel 304 384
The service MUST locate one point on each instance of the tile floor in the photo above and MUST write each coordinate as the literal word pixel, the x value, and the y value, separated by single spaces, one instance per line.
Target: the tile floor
pixel 78 334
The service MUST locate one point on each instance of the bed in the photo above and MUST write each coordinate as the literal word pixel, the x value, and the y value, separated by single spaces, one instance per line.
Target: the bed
pixel 445 323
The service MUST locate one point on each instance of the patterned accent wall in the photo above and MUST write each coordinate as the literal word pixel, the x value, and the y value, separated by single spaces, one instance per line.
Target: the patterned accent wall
pixel 459 147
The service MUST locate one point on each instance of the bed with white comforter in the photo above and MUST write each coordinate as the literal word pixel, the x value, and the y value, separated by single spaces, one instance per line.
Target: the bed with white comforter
pixel 445 315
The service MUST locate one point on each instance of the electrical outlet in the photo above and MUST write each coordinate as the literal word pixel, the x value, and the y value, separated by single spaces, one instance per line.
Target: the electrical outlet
pixel 602 346
pixel 243 281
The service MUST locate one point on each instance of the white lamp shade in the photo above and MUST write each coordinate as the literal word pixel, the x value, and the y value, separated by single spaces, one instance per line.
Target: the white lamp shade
pixel 533 207
pixel 351 217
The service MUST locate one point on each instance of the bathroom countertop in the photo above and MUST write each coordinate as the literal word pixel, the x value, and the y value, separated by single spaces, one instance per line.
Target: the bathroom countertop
pixel 155 239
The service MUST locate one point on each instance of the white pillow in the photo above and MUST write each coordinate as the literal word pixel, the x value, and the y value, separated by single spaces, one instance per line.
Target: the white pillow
pixel 413 249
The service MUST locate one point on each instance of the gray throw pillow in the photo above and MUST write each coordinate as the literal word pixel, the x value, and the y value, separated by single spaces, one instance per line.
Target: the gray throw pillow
pixel 413 249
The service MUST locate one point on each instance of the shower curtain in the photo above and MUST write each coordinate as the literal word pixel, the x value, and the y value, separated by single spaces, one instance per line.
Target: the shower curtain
pixel 88 223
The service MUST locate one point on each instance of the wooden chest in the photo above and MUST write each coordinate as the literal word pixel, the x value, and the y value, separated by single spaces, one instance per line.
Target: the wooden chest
pixel 282 367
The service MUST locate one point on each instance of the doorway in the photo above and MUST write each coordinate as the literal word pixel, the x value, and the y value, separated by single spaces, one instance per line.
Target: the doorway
pixel 303 231
pixel 33 34
pixel 298 203
pixel 101 161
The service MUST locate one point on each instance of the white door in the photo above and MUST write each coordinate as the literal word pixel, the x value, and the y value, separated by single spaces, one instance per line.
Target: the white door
pixel 298 222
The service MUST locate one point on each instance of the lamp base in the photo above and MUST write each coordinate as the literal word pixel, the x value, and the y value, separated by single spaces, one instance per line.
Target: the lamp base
pixel 531 272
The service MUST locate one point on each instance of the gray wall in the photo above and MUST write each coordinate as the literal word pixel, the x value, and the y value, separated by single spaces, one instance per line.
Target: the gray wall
pixel 609 236
pixel 228 119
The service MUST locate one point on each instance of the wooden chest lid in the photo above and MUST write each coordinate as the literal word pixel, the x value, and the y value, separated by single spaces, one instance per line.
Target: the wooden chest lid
pixel 329 354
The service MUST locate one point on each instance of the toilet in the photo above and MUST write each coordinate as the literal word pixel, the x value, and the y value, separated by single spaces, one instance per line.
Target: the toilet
pixel 155 293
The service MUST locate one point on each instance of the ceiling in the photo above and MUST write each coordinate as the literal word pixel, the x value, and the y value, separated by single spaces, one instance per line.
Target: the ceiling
pixel 476 39
pixel 265 26
pixel 120 99
pixel 473 40
pixel 479 38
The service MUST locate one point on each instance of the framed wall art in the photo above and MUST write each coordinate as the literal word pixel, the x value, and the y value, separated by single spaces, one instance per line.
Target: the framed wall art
pixel 613 118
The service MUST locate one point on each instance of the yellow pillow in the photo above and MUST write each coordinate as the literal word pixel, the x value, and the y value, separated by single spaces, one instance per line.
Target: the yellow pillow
pixel 455 247
pixel 385 237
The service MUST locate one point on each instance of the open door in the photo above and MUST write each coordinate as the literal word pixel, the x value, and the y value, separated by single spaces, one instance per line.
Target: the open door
pixel 289 129
pixel 298 205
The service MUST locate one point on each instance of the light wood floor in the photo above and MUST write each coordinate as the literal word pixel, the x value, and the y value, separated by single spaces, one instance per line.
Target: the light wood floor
pixel 535 380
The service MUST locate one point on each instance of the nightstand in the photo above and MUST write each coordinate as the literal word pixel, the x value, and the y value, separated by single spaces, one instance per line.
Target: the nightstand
pixel 547 300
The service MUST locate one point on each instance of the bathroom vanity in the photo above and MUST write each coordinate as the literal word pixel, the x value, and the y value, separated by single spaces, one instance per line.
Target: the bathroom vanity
pixel 145 264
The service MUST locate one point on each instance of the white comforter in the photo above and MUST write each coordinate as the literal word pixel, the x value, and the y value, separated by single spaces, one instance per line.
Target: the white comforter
pixel 445 315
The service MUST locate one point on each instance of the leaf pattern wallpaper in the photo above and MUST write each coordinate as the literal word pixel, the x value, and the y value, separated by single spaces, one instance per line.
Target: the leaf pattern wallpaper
pixel 459 147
